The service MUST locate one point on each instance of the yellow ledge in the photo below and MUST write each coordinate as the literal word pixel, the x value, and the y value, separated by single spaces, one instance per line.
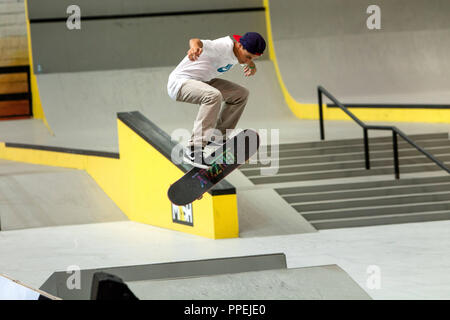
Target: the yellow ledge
pixel 138 184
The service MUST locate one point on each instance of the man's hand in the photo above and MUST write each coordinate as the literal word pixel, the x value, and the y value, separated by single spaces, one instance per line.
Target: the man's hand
pixel 249 69
pixel 196 49
pixel 194 53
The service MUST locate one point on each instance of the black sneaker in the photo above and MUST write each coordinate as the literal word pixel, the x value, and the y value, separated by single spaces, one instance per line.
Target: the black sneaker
pixel 195 156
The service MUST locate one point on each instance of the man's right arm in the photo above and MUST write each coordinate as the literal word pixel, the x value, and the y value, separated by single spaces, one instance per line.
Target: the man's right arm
pixel 195 50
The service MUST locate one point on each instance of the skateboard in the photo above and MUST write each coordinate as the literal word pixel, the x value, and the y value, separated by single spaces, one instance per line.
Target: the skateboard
pixel 231 155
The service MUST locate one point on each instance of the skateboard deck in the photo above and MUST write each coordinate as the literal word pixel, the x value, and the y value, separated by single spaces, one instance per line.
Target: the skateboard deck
pixel 226 158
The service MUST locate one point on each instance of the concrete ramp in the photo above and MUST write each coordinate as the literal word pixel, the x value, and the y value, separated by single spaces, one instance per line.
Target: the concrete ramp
pixel 39 196
pixel 314 283
pixel 263 213
pixel 83 105
pixel 328 43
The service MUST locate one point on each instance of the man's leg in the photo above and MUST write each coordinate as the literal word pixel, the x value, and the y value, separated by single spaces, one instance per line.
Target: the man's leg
pixel 235 97
pixel 210 100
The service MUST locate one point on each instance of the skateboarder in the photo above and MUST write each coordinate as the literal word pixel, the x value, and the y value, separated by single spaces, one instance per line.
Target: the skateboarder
pixel 195 81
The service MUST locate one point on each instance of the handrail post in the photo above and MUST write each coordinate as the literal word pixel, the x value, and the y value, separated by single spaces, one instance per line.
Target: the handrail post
pixel 322 130
pixel 366 148
pixel 396 162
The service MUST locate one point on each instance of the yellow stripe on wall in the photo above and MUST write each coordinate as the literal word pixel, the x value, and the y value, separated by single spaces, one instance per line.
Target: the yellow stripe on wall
pixel 38 111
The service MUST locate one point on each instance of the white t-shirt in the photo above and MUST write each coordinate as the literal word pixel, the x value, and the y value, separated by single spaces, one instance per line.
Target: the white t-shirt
pixel 216 58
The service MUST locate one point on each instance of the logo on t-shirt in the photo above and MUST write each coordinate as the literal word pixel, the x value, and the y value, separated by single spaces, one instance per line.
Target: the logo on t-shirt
pixel 225 69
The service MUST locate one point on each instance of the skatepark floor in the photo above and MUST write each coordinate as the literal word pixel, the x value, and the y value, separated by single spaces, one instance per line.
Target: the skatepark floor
pixel 412 258
pixel 33 196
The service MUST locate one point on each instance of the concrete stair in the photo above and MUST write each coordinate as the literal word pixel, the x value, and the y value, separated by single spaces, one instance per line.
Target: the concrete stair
pixel 341 199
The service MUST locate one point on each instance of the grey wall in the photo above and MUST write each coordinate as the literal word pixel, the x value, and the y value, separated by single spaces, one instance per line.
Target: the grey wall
pixel 44 9
pixel 131 42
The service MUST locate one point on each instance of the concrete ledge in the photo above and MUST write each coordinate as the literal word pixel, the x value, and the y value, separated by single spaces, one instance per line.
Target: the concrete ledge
pixel 56 283
pixel 317 283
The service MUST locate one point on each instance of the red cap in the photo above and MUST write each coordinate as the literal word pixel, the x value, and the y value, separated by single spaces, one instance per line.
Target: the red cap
pixel 252 42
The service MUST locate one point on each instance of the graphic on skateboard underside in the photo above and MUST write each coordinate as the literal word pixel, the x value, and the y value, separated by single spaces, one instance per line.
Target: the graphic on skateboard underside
pixel 218 167
pixel 226 158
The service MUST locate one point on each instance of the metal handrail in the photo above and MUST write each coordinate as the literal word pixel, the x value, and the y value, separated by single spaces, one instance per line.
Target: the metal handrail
pixel 395 131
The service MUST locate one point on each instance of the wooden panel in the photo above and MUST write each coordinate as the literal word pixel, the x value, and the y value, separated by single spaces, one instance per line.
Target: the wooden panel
pixel 13 51
pixel 13 83
pixel 12 108
pixel 15 118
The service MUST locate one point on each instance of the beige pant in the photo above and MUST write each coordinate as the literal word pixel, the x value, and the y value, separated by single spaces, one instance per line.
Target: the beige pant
pixel 209 95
